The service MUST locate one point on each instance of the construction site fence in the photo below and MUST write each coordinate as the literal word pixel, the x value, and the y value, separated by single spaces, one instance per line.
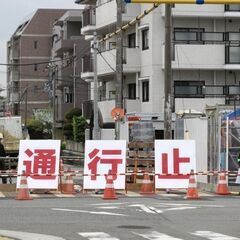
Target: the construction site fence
pixel 12 173
pixel 11 162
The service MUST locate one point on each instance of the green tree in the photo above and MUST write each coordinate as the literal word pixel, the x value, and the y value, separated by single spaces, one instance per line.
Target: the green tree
pixel 79 126
pixel 68 124
pixel 38 129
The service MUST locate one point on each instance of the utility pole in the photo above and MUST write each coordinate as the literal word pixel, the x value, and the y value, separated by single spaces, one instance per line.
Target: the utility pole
pixel 53 74
pixel 74 75
pixel 119 66
pixel 26 106
pixel 24 94
pixel 95 90
pixel 168 73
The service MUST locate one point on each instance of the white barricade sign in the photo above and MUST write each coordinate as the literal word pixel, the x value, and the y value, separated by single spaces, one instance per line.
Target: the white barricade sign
pixel 174 160
pixel 40 160
pixel 100 157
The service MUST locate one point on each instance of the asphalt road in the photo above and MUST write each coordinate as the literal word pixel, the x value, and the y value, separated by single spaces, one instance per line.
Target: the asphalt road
pixel 154 218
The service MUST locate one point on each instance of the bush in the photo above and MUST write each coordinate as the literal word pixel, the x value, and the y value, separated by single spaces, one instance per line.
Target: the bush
pixel 37 130
pixel 68 125
pixel 79 126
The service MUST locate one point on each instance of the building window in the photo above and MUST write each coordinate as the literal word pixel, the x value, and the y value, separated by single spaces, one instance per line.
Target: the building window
pixel 68 96
pixel 188 35
pixel 188 89
pixel 35 44
pixel 232 55
pixel 35 67
pixel 132 40
pixel 132 91
pixel 145 40
pixel 112 95
pixel 145 91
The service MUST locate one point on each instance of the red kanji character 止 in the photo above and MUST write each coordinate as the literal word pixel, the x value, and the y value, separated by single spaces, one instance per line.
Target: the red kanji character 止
pixel 44 162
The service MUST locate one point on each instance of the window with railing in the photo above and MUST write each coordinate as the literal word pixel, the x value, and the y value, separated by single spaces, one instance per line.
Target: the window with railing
pixel 211 90
pixel 87 63
pixel 191 36
pixel 187 35
pixel 197 89
pixel 186 89
pixel 89 17
pixel 68 95
pixel 232 7
pixel 132 40
pixel 132 91
pixel 145 91
pixel 232 36
pixel 197 36
pixel 232 55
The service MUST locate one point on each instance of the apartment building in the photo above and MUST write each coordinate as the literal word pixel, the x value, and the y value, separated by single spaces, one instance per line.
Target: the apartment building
pixel 29 51
pixel 205 59
pixel 68 47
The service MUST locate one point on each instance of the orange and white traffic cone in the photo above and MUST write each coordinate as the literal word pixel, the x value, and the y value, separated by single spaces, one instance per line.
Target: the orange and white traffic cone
pixel 67 184
pixel 147 186
pixel 109 191
pixel 222 188
pixel 192 192
pixel 23 191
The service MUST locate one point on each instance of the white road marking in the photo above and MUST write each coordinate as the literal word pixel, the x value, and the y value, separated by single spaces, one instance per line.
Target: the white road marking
pixel 107 204
pixel 143 208
pixel 65 195
pixel 108 207
pixel 90 212
pixel 157 236
pixel 28 236
pixel 155 210
pixel 183 204
pixel 214 236
pixel 179 208
pixel 97 236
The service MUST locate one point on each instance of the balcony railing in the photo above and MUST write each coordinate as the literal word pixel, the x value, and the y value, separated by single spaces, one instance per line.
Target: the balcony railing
pixel 197 91
pixel 195 37
pixel 232 8
pixel 89 17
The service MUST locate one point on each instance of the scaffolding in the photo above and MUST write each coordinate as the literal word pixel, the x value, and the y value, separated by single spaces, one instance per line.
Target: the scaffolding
pixel 223 140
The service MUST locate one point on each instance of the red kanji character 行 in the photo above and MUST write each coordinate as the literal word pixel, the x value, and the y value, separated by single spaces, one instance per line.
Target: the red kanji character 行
pixel 96 159
pixel 113 161
pixel 93 164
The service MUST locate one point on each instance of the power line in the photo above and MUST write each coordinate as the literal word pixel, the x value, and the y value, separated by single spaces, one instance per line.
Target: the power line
pixel 105 60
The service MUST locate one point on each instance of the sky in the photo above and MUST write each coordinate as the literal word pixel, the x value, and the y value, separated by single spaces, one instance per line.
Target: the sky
pixel 14 12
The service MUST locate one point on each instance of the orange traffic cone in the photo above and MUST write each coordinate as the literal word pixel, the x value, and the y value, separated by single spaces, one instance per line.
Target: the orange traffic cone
pixel 222 188
pixel 67 185
pixel 109 191
pixel 147 186
pixel 192 192
pixel 23 191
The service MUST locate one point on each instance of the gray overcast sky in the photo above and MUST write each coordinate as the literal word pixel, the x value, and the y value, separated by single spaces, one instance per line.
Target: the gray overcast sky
pixel 13 12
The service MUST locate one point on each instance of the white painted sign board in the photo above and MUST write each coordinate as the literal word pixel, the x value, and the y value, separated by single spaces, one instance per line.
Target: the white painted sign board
pixel 174 160
pixel 100 157
pixel 40 161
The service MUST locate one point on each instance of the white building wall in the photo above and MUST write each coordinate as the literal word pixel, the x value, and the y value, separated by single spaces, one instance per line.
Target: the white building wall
pixel 193 62
pixel 199 134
